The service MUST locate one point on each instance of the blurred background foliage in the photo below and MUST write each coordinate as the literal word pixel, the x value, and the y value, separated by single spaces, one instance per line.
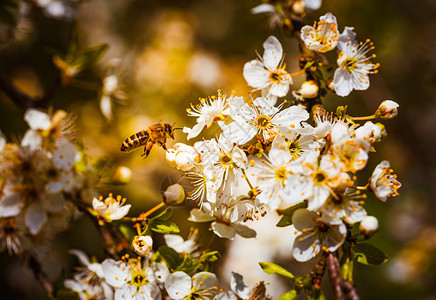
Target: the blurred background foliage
pixel 169 54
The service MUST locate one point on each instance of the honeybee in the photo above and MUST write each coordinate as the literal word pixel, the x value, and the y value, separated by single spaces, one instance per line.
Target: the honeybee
pixel 155 134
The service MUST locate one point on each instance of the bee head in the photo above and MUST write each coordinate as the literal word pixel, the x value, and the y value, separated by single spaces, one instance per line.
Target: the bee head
pixel 169 130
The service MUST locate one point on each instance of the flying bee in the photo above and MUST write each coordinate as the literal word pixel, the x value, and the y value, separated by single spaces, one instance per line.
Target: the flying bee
pixel 155 134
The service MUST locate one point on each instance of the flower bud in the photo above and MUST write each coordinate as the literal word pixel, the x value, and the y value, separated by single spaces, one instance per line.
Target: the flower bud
pixel 309 89
pixel 388 109
pixel 174 195
pixel 298 7
pixel 122 174
pixel 142 245
pixel 182 156
pixel 369 225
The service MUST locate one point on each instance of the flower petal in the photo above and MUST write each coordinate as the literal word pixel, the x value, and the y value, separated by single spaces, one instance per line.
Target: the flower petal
pixel 178 285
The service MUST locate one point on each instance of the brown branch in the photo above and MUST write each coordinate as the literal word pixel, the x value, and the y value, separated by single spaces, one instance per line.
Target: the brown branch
pixel 342 288
pixel 39 274
pixel 334 273
pixel 349 290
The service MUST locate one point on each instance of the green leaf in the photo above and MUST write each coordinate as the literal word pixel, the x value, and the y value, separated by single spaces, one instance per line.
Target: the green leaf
pixel 287 214
pixel 292 294
pixel 368 254
pixel 163 226
pixel 164 215
pixel 170 257
pixel 189 264
pixel 93 54
pixel 308 64
pixel 271 268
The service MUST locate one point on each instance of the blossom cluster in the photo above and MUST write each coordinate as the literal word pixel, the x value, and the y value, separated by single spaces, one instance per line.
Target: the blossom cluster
pixel 36 177
pixel 148 277
pixel 269 156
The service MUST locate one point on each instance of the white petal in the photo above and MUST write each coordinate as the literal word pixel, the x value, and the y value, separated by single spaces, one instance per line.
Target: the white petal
pixel 239 133
pixel 273 53
pixel 319 197
pixel 312 4
pixel 343 82
pixel 263 8
pixel 199 216
pixel 31 139
pixel 279 89
pixel 223 230
pixel 83 258
pixel 290 116
pixel 244 231
pixel 256 75
pixel 307 248
pixel 238 286
pixel 335 236
pixel 35 218
pixel 114 274
pixel 106 107
pixel 37 119
pixel 304 219
pixel 178 285
pixel 10 205
pixel 204 281
pixel 120 212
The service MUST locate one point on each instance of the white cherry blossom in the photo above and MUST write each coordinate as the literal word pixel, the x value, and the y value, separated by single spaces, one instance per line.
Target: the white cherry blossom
pixel 132 279
pixel 269 72
pixel 110 208
pixel 353 64
pixel 203 285
pixel 383 182
pixel 280 179
pixel 208 111
pixel 323 36
pixel 261 118
pixel 315 233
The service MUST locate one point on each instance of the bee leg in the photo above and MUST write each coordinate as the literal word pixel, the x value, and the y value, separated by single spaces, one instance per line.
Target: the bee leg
pixel 165 147
pixel 147 149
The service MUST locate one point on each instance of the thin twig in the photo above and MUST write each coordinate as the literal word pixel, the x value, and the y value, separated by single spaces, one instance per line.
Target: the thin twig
pixel 39 274
pixel 334 272
pixel 349 290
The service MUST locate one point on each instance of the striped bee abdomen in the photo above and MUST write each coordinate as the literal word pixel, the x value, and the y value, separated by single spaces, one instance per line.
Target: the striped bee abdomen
pixel 134 141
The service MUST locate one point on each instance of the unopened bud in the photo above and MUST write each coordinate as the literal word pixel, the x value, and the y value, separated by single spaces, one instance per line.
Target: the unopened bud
pixel 298 7
pixel 174 195
pixel 142 245
pixel 122 174
pixel 309 89
pixel 388 109
pixel 369 225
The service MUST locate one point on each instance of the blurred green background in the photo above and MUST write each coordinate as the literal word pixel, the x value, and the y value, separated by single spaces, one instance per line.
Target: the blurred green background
pixel 173 52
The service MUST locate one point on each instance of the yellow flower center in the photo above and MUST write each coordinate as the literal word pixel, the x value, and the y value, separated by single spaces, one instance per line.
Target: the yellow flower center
pixel 281 174
pixel 263 122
